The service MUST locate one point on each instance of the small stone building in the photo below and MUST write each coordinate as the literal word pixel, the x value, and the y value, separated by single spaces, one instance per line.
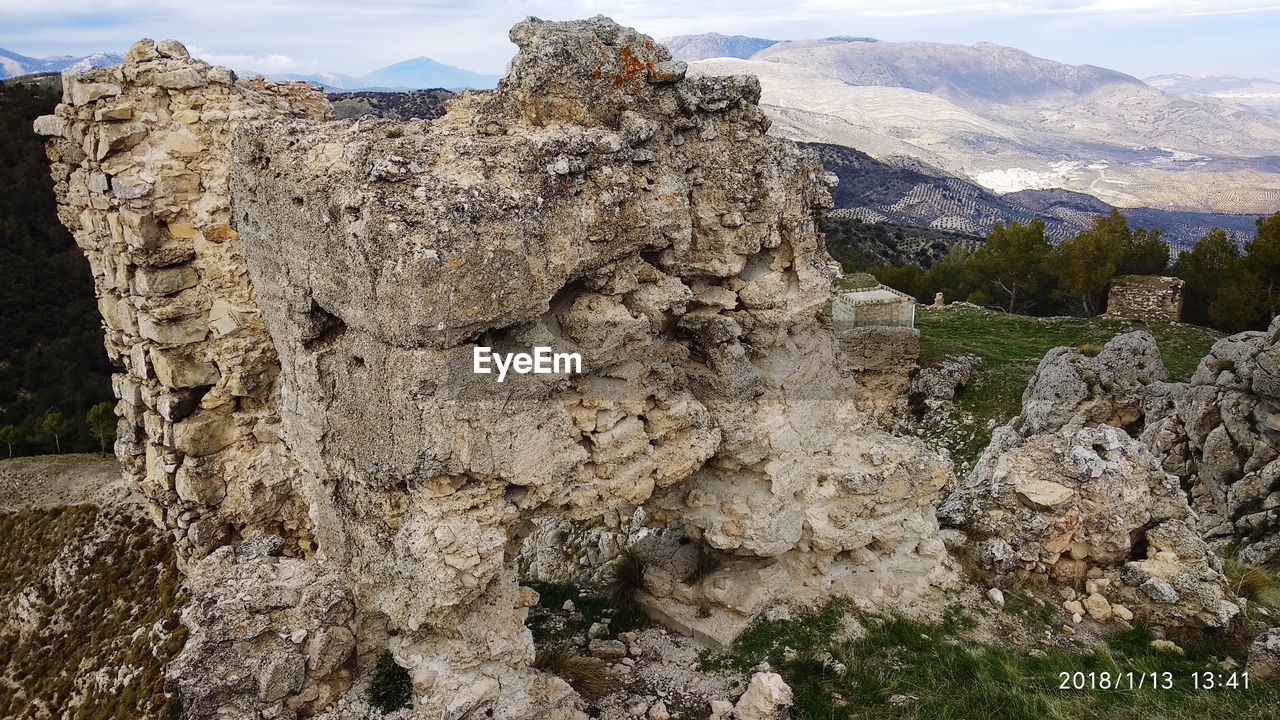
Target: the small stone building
pixel 879 345
pixel 876 305
pixel 1145 298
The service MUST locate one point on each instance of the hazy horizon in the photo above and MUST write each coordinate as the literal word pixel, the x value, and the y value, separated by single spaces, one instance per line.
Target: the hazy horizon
pixel 1138 37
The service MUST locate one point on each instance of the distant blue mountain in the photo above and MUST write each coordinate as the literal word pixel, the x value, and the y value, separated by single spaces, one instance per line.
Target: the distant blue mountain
pixel 417 74
pixel 424 73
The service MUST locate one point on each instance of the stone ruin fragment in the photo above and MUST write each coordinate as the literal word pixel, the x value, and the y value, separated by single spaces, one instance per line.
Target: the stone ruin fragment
pixel 1064 494
pixel 293 304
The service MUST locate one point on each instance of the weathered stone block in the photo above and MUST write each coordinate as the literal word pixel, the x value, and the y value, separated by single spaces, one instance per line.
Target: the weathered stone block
pixel 78 92
pixel 166 280
pixel 180 79
pixel 204 433
pixel 183 331
pixel 178 369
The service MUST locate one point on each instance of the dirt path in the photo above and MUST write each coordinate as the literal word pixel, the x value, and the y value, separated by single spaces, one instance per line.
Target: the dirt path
pixel 60 480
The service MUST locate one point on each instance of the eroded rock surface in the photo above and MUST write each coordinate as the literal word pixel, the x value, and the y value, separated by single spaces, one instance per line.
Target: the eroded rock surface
pixel 296 311
pixel 596 203
pixel 1062 492
pixel 266 633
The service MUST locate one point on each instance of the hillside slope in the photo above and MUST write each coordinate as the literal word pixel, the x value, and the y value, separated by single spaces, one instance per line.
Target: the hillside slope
pixel 90 593
pixel 914 194
pixel 1011 122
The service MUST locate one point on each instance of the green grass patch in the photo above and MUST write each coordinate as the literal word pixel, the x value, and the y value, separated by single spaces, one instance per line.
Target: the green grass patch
pixel 1011 346
pixel 902 668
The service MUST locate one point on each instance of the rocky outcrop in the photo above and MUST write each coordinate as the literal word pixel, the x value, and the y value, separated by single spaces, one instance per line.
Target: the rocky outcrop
pixel 1109 386
pixel 1062 492
pixel 1219 433
pixel 1264 656
pixel 933 389
pixel 302 362
pixel 265 633
pixel 595 205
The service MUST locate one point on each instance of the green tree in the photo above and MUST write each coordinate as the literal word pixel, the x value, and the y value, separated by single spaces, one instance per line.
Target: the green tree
pixel 1240 304
pixel 908 279
pixel 1010 265
pixel 1209 265
pixel 1262 257
pixel 949 276
pixel 10 434
pixel 1085 265
pixel 101 420
pixel 1145 253
pixel 52 355
pixel 54 425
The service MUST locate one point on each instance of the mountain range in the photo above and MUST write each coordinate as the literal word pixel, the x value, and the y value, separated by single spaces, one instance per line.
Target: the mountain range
pixel 420 73
pixel 1011 121
pixel 953 137
pixel 417 74
pixel 1253 92
pixel 12 64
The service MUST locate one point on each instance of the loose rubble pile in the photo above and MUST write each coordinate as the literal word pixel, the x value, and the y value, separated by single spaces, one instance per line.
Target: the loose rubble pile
pixel 1064 493
pixel 294 306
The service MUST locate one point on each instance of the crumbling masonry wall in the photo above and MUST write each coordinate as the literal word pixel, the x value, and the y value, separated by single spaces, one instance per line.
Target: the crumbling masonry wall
pixel 141 160
pixel 294 304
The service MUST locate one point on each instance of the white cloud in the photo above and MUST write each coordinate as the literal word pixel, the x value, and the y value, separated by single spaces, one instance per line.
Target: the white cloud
pixel 273 63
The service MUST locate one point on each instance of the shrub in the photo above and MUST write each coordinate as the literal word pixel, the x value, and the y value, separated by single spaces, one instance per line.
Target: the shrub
pixel 391 688
pixel 1090 349
pixel 626 579
pixel 587 675
pixel 1254 584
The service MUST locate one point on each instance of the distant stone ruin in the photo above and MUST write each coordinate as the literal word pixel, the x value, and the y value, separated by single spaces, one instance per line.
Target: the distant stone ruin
pixel 877 305
pixel 1145 298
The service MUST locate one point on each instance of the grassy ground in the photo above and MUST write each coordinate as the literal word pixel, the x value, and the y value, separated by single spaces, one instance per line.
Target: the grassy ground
pixel 900 668
pixel 1012 345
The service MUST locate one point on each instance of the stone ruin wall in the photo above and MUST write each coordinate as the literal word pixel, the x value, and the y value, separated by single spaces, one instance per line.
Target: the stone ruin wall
pixel 1145 298
pixel 293 321
pixel 140 156
pixel 141 162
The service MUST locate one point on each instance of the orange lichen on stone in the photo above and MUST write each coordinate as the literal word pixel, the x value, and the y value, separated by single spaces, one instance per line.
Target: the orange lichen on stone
pixel 631 65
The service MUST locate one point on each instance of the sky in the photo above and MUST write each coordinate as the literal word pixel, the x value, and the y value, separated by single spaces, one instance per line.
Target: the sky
pixel 1139 37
